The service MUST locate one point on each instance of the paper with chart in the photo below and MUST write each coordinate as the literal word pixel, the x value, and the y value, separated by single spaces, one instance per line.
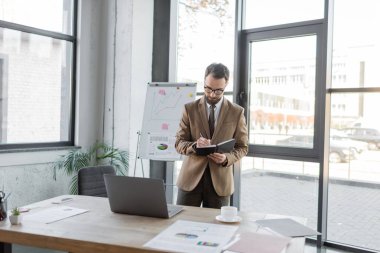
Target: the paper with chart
pixel 162 112
pixel 189 236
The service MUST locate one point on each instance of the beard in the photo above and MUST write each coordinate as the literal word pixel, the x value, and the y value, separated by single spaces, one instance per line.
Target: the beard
pixel 213 101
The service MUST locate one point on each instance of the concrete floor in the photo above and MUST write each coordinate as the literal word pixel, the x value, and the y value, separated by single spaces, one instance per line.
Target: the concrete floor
pixel 353 215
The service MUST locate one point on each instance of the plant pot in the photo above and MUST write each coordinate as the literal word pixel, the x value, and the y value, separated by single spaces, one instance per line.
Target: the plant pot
pixel 15 219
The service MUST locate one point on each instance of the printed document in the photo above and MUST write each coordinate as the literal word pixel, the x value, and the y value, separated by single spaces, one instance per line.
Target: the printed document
pixel 53 214
pixel 188 236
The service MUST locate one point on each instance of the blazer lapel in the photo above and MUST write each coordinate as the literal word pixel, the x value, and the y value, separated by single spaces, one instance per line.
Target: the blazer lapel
pixel 203 113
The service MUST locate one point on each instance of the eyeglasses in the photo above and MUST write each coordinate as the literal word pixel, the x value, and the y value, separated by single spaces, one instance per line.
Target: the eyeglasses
pixel 217 92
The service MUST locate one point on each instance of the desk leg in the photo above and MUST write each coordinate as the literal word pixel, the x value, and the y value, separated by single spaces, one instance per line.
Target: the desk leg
pixel 5 247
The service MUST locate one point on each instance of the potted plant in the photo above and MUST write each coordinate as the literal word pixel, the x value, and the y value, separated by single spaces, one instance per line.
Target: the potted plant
pixel 15 218
pixel 98 154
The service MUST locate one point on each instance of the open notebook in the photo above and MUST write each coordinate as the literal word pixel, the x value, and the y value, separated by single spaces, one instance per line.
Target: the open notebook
pixel 222 147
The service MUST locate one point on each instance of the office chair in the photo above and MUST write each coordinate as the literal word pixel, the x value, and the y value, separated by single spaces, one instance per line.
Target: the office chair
pixel 91 181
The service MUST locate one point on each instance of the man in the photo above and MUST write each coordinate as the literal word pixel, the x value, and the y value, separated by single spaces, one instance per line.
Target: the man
pixel 208 180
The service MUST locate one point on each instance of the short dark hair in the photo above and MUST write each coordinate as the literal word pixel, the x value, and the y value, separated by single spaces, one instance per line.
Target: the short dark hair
pixel 218 70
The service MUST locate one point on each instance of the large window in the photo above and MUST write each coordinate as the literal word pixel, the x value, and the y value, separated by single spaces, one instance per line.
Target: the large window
pixel 279 69
pixel 37 48
pixel 354 184
pixel 282 91
pixel 293 83
pixel 205 34
pixel 261 13
pixel 307 76
pixel 51 15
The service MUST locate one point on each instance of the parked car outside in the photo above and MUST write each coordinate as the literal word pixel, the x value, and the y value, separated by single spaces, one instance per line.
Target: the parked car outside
pixel 369 135
pixel 341 138
pixel 339 152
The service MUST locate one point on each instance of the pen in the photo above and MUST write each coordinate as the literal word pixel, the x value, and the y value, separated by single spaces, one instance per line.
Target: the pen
pixel 64 200
pixel 210 244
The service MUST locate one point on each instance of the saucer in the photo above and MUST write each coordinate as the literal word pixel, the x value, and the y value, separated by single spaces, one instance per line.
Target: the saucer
pixel 235 219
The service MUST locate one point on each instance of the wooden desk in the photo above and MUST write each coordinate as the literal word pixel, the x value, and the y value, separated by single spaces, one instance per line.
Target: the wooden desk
pixel 100 230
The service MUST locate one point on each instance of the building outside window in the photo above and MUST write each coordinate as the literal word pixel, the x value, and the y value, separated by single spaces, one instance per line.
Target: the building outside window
pixel 37 47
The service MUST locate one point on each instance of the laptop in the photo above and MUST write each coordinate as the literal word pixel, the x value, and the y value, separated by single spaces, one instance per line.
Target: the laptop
pixel 139 196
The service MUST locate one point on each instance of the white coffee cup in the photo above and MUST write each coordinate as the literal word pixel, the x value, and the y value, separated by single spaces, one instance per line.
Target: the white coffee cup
pixel 228 213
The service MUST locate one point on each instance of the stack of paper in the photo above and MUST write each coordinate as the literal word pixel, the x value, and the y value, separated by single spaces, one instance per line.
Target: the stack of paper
pixel 53 214
pixel 287 227
pixel 255 242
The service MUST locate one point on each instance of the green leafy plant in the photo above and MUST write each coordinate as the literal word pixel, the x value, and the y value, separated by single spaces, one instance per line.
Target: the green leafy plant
pixel 15 211
pixel 98 154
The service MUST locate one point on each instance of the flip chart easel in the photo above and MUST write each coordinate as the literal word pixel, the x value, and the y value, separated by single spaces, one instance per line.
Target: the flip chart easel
pixel 162 112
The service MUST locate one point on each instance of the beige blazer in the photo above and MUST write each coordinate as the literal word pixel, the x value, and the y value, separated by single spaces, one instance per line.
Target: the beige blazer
pixel 230 124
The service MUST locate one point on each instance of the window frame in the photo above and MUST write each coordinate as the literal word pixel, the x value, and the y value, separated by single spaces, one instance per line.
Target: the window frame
pixel 298 29
pixel 63 37
pixel 319 154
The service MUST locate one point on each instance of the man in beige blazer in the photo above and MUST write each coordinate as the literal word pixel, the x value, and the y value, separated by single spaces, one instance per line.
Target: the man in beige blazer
pixel 208 180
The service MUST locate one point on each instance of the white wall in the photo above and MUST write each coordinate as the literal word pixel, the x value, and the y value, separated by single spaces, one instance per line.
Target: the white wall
pixel 29 176
pixel 142 51
pixel 130 31
pixel 90 71
pixel 101 111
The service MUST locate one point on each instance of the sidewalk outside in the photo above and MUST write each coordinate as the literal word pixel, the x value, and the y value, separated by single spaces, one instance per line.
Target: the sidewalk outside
pixel 354 211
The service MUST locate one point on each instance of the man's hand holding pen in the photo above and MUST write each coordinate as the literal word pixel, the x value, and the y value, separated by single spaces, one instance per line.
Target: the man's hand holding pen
pixel 202 142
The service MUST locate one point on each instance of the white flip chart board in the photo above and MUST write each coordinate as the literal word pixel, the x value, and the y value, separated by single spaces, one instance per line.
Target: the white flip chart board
pixel 162 112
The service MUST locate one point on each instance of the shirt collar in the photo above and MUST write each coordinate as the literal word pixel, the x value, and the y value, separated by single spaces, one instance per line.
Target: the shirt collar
pixel 217 105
